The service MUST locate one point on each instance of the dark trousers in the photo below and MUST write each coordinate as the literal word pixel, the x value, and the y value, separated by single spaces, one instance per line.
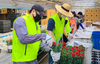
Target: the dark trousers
pixel 64 38
pixel 50 59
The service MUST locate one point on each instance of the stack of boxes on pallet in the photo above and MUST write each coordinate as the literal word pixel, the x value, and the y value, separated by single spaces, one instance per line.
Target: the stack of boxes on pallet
pixel 92 14
pixel 8 15
pixel 44 22
pixel 5 23
pixel 5 12
pixel 5 26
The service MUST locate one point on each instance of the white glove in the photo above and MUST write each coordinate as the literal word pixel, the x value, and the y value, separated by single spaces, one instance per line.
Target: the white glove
pixel 70 36
pixel 55 56
pixel 48 40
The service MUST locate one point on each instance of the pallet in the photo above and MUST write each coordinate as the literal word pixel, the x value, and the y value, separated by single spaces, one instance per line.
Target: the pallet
pixel 95 58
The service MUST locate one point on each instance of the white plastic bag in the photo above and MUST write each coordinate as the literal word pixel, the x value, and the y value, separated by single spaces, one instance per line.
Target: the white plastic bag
pixel 70 36
pixel 55 56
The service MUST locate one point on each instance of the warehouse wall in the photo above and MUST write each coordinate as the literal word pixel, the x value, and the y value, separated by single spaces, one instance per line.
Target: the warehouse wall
pixel 21 11
pixel 82 9
pixel 82 6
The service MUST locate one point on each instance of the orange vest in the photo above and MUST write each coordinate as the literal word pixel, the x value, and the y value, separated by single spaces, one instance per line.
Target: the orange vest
pixel 74 24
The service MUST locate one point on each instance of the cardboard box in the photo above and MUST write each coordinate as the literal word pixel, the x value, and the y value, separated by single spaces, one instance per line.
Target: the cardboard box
pixel 99 10
pixel 88 23
pixel 87 19
pixel 98 21
pixel 44 23
pixel 95 24
pixel 92 15
pixel 3 11
pixel 87 15
pixel 92 20
pixel 96 16
pixel 87 11
pixel 49 13
pixel 91 11
pixel 96 11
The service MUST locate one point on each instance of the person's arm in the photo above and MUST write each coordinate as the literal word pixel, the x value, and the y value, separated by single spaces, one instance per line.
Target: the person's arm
pixel 65 33
pixel 22 33
pixel 50 27
pixel 78 22
pixel 67 26
pixel 81 25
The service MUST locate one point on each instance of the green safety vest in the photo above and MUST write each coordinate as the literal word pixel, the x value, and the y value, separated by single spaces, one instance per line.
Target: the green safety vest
pixel 67 26
pixel 26 52
pixel 59 27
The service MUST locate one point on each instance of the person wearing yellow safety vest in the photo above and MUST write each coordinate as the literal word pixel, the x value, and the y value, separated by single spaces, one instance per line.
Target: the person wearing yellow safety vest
pixel 27 37
pixel 56 24
pixel 68 29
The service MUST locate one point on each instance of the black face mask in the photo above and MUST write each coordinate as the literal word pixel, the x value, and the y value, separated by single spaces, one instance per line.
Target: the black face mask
pixel 37 18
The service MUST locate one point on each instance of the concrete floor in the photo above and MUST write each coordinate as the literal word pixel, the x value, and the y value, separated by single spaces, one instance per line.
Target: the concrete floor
pixel 6 58
pixel 45 60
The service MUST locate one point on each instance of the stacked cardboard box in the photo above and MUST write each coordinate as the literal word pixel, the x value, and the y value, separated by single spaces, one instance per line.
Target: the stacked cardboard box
pixel 92 14
pixel 99 13
pixel 5 12
pixel 87 15
pixel 49 13
pixel 44 22
pixel 88 23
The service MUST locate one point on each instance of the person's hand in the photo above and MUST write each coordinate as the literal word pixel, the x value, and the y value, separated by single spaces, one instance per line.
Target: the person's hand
pixel 70 36
pixel 84 30
pixel 45 47
pixel 43 36
pixel 67 36
pixel 47 39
